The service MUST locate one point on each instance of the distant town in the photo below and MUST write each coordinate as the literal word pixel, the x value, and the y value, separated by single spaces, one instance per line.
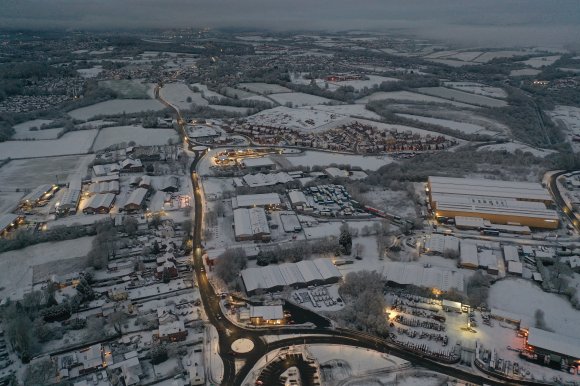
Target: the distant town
pixel 200 207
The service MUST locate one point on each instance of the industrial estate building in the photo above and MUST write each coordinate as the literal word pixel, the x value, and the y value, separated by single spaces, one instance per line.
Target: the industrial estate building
pixel 554 347
pixel 500 202
pixel 251 224
pixel 296 275
pixel 256 200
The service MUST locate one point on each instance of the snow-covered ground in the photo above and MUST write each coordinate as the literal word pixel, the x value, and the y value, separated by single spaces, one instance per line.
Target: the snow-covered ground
pixel 313 158
pixel 525 72
pixel 511 147
pixel 360 360
pixel 22 130
pixel 263 88
pixel 478 88
pixel 346 110
pixel 144 137
pixel 116 107
pixel 177 94
pixel 90 72
pixel 525 297
pixel 298 99
pixel 300 119
pixel 410 96
pixel 460 96
pixel 9 201
pixel 542 61
pixel 30 173
pixel 75 142
pixel 16 267
pixel 569 117
pixel 467 128
pixel 207 92
pixel 360 84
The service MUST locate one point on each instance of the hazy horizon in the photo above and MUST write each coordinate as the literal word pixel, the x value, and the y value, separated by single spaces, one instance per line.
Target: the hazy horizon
pixel 489 22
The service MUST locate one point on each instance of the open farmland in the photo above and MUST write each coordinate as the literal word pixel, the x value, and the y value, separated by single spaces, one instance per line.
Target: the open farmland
pixel 16 267
pixel 92 72
pixel 478 88
pixel 460 96
pixel 29 173
pixel 525 72
pixel 542 61
pixel 360 84
pixel 144 137
pixel 346 110
pixel 127 89
pixel 22 130
pixel 116 107
pixel 263 88
pixel 467 128
pixel 74 142
pixel 411 97
pixel 177 93
pixel 300 119
pixel 313 158
pixel 299 99
pixel 511 147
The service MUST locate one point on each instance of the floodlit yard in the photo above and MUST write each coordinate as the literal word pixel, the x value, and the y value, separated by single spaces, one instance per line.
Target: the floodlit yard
pixel 478 88
pixel 525 297
pixel 29 173
pixel 313 158
pixel 116 107
pixel 144 137
pixel 460 96
pixel 16 267
pixel 467 128
pixel 409 96
pixel 263 88
pixel 75 142
pixel 299 99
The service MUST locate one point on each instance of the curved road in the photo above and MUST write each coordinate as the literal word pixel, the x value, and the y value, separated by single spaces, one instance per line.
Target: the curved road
pixel 229 332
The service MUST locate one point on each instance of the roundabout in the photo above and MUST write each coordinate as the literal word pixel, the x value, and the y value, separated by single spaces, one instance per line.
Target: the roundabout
pixel 242 346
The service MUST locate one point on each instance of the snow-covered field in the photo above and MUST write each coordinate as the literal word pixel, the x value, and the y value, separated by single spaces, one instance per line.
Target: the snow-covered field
pixel 456 95
pixel 75 142
pixel 29 173
pixel 525 297
pixel 511 147
pixel 410 96
pixel 542 61
pixel 206 92
pixel 116 107
pixel 300 119
pixel 361 360
pixel 22 130
pixel 177 94
pixel 9 201
pixel 478 88
pixel 145 137
pixel 128 88
pixel 263 88
pixel 16 267
pixel 360 84
pixel 90 72
pixel 313 158
pixel 468 128
pixel 569 116
pixel 347 110
pixel 298 99
pixel 525 72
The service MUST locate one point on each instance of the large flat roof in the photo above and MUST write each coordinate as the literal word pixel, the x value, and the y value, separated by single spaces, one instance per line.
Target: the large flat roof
pixel 6 220
pixel 491 188
pixel 249 222
pixel 249 200
pixel 561 344
pixel 416 274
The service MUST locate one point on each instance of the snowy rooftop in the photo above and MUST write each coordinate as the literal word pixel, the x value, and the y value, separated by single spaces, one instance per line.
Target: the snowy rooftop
pixel 260 179
pixel 249 222
pixel 561 344
pixel 415 274
pixel 510 253
pixel 250 200
pixel 267 312
pixel 468 255
pixel 495 188
pixel 257 162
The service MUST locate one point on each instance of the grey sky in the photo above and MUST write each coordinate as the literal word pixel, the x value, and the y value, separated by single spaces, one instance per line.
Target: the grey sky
pixel 554 22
